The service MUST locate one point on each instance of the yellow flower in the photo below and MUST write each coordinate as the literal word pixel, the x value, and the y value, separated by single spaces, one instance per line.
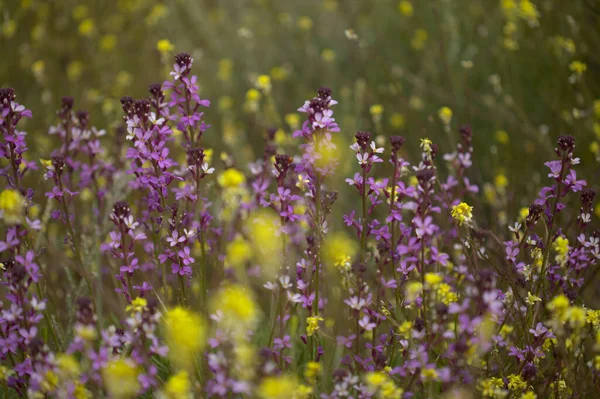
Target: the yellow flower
pixel 328 55
pixel 87 27
pixel 237 305
pixel 418 40
pixel 528 12
pixel 532 299
pixel 502 137
pixel 561 246
pixel 406 8
pixel 529 395
pixel 12 206
pixel 293 120
pixel 429 374
pixel 558 305
pixel 67 365
pixel 49 382
pixel 338 250
pixel 405 328
pixel 280 387
pixel 178 386
pixel 313 369
pixel 164 46
pixel 231 178
pixel 445 115
pixel 238 252
pixel 305 23
pixel 413 290
pixel 576 316
pixel 263 83
pixel 376 111
pixel 137 305
pixel 9 27
pixel 516 383
pixel 80 391
pixel 380 383
pixel 74 70
pixel 462 213
pixel 578 67
pixel 158 12
pixel 185 335
pixel 312 325
pixel 426 145
pixel 433 279
pixel 593 317
pixel 500 181
pixel 121 378
pixel 397 120
pixel 108 43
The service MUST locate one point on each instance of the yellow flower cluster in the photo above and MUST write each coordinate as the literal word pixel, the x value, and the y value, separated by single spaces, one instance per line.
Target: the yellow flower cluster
pixel 12 206
pixel 121 378
pixel 238 307
pixel 312 325
pixel 381 384
pixel 185 335
pixel 463 213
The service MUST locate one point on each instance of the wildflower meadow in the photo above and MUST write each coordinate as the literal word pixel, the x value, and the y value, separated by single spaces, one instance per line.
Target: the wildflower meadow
pixel 300 200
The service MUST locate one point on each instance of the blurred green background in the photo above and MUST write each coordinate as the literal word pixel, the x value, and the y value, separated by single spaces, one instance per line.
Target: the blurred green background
pixel 521 72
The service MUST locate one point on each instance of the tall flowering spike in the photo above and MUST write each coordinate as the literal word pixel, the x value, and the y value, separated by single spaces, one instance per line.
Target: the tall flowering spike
pixel 565 145
pixel 282 165
pixel 66 107
pixel 320 116
pixel 397 142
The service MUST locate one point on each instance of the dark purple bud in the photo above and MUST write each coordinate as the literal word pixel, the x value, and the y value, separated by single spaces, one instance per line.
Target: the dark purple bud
pixel 324 92
pixel 587 198
pixel 282 164
pixel 58 163
pixel 127 104
pixel 363 138
pixel 83 117
pixel 7 94
pixel 397 142
pixel 195 156
pixel 566 143
pixel 184 60
pixel 120 211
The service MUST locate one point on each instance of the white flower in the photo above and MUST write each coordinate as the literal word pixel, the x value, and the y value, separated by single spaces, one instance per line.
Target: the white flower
pixel 271 286
pixel 206 169
pixel 363 159
pixel 189 233
pixel 376 149
pixel 155 121
pixel 355 147
pixel 515 228
pixel 285 282
pixel 130 223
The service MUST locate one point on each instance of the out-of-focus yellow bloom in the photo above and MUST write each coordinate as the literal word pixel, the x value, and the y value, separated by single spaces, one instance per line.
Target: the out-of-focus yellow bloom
pixel 238 252
pixel 293 120
pixel 263 83
pixel 406 8
pixel 338 250
pixel 432 279
pixel 305 23
pixel 566 44
pixel 328 55
pixel 413 290
pixel 185 335
pixel 225 103
pixel 312 325
pixel 87 27
pixel 561 246
pixel 164 46
pixel 74 70
pixel 49 382
pixel 80 12
pixel 12 206
pixel 123 79
pixel 37 68
pixel 528 12
pixel 156 14
pixel 419 39
pixel 596 107
pixel 121 378
pixel 313 369
pixel 558 305
pixel 9 27
pixel 529 395
pixel 279 387
pixel 381 384
pixel 376 111
pixel 516 383
pixel 279 73
pixel 108 43
pixel 225 69
pixel 502 137
pixel 237 304
pixel 68 367
pixel 231 178
pixel 137 305
pixel 576 316
pixel 397 120
pixel 578 67
pixel 500 181
pixel 463 213
pixel 445 115
pixel 178 386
